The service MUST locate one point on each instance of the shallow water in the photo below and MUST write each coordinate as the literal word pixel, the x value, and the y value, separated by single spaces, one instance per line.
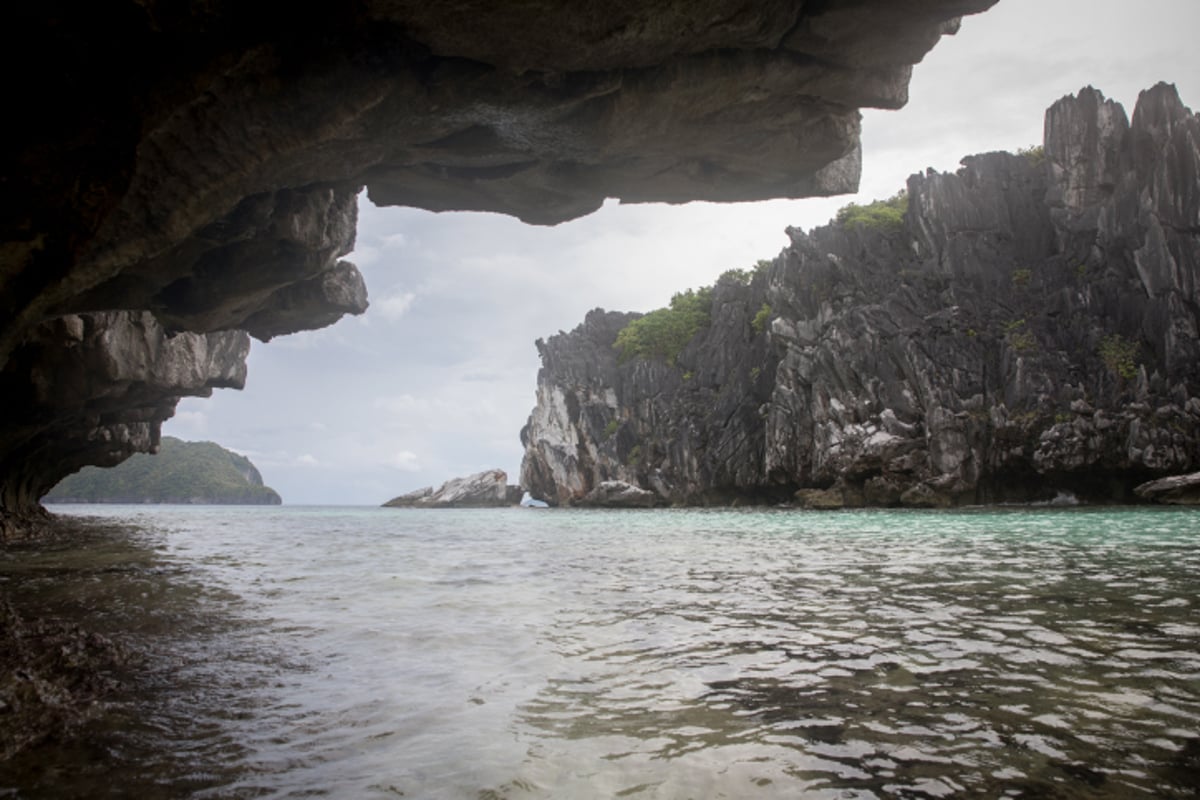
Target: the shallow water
pixel 300 652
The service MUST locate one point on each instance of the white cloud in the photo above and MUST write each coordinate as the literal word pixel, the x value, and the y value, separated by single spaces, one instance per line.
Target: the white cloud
pixel 394 306
pixel 366 255
pixel 363 256
pixel 400 404
pixel 303 340
pixel 306 460
pixel 186 423
pixel 405 461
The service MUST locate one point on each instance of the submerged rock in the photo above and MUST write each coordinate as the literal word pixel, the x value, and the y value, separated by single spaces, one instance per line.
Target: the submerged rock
pixel 1027 326
pixel 482 490
pixel 54 676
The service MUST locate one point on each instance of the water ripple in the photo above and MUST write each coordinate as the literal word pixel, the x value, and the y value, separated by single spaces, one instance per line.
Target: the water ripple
pixel 672 654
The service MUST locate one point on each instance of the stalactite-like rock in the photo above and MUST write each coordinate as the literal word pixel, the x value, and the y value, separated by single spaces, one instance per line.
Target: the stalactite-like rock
pixel 200 162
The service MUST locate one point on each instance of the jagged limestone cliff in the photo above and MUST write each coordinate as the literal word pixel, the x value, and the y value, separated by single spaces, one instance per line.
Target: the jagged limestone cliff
pixel 193 169
pixel 1028 327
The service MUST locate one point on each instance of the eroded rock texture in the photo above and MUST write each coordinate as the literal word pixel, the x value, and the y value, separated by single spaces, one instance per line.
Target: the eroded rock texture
pixel 199 162
pixel 94 389
pixel 1175 490
pixel 1029 329
pixel 487 489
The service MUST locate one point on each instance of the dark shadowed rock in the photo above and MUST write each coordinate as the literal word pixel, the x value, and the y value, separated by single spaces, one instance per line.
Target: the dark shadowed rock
pixel 200 163
pixel 54 677
pixel 486 489
pixel 820 499
pixel 1181 490
pixel 921 495
pixel 618 494
pixel 95 389
pixel 1028 327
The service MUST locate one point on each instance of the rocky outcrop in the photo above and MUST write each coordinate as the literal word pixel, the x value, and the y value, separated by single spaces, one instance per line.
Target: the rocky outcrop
pixel 618 494
pixel 199 164
pixel 94 389
pixel 1182 490
pixel 487 489
pixel 1028 327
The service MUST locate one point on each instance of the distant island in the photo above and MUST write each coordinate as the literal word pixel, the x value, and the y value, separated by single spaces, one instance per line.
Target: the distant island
pixel 190 473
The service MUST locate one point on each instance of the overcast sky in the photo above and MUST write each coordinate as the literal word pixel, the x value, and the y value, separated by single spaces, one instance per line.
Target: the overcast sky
pixel 437 378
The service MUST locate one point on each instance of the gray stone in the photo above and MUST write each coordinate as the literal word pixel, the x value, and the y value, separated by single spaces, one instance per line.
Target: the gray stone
pixel 1181 490
pixel 105 397
pixel 202 162
pixel 987 348
pixel 820 499
pixel 487 489
pixel 619 494
pixel 924 496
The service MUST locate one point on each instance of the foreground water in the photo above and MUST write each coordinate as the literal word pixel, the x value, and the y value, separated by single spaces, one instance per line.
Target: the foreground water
pixel 301 652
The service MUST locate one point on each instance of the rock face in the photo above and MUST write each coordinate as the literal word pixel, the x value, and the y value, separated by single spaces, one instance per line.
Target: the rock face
pixel 1183 490
pixel 193 169
pixel 1029 327
pixel 618 494
pixel 94 389
pixel 488 489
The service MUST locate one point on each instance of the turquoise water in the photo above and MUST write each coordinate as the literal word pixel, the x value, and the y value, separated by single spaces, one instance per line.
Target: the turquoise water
pixel 301 652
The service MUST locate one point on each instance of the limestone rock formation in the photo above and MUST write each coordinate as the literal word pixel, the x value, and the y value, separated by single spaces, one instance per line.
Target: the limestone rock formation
pixel 1183 490
pixel 198 164
pixel 1028 327
pixel 618 494
pixel 94 389
pixel 485 489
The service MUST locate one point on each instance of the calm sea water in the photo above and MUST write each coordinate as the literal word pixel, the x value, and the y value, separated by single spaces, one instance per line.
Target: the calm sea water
pixel 378 653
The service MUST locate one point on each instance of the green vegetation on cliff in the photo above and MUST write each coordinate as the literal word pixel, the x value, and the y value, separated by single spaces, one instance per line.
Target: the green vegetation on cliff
pixel 664 332
pixel 880 215
pixel 181 472
pixel 1035 153
pixel 759 323
pixel 1119 356
pixel 744 277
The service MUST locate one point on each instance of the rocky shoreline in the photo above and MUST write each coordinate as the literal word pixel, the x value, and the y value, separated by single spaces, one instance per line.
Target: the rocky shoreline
pixel 56 674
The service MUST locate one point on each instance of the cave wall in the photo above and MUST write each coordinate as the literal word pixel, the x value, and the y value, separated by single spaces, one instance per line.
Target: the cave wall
pixel 199 162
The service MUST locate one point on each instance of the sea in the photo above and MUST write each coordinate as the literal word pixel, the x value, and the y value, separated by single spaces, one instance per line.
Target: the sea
pixel 300 652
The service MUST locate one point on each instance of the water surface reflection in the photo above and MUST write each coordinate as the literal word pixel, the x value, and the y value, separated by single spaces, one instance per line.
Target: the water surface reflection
pixel 672 654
